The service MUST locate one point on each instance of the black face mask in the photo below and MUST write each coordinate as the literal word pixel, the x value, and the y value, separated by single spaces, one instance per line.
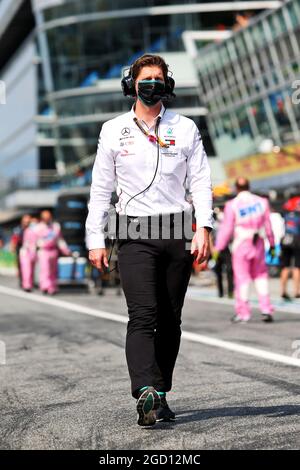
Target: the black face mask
pixel 150 92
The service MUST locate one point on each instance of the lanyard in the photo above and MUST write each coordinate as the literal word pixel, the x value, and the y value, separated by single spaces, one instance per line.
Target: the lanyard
pixel 151 137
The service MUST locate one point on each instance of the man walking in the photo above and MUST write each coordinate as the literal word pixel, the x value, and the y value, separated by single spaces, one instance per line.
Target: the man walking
pixel 49 243
pixel 223 260
pixel 17 243
pixel 246 218
pixel 28 255
pixel 151 153
pixel 290 254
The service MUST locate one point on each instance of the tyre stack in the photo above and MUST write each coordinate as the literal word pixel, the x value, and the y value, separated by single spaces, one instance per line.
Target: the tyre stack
pixel 71 212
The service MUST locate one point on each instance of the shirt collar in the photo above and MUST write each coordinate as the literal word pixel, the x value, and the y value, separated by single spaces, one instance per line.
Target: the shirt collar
pixel 243 193
pixel 161 113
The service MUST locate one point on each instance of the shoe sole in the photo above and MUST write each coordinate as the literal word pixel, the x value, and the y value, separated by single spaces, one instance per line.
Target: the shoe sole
pixel 146 406
pixel 165 420
pixel 236 321
pixel 267 318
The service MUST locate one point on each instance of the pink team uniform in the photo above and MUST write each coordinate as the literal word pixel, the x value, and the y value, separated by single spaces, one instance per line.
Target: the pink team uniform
pixel 28 257
pixel 49 242
pixel 245 216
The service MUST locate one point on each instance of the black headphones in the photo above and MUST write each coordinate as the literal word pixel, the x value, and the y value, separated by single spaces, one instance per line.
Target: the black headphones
pixel 128 85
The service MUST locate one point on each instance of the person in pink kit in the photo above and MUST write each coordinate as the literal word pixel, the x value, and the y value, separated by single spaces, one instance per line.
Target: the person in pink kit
pixel 27 255
pixel 49 243
pixel 247 221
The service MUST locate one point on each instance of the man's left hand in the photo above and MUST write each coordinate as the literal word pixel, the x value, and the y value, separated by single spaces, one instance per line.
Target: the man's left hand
pixel 200 245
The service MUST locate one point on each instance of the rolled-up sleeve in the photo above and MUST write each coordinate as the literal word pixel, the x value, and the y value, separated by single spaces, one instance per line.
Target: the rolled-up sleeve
pixel 103 184
pixel 199 181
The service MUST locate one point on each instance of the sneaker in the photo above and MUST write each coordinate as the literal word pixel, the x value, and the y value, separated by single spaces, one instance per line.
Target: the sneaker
pixel 286 297
pixel 164 413
pixel 237 319
pixel 147 403
pixel 267 317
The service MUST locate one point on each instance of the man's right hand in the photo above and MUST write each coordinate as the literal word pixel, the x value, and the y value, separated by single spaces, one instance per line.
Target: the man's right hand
pixel 98 258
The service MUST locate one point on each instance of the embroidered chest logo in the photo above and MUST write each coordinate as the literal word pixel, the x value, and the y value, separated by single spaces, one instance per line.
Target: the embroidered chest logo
pixel 125 131
pixel 170 141
pixel 169 137
pixel 126 153
pixel 126 136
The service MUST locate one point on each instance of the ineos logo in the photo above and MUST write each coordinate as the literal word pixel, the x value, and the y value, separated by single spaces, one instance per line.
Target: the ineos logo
pixel 125 131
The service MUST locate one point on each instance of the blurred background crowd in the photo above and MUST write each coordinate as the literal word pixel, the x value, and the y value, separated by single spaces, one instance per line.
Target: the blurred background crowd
pixel 236 66
pixel 47 252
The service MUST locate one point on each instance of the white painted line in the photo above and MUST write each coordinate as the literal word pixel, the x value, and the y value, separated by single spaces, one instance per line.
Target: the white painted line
pixel 261 353
pixel 195 337
pixel 63 304
pixel 197 293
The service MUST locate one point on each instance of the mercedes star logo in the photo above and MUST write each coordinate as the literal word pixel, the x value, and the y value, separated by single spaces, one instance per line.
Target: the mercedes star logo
pixel 125 131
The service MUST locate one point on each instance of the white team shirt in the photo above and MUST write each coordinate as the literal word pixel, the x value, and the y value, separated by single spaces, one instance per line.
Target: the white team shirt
pixel 126 159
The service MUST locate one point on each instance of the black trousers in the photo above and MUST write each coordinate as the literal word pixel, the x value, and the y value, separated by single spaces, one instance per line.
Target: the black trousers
pixel 224 263
pixel 154 274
